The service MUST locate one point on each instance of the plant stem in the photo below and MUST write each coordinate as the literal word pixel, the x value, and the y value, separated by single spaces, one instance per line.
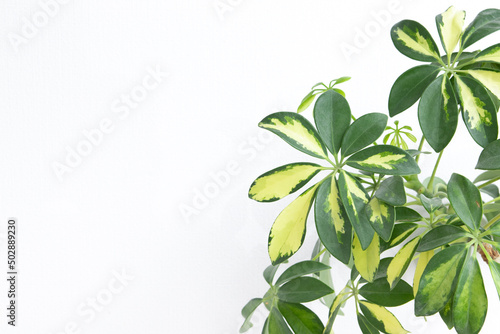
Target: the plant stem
pixel 492 221
pixel 318 255
pixel 431 181
pixel 420 146
pixel 489 182
pixel 493 200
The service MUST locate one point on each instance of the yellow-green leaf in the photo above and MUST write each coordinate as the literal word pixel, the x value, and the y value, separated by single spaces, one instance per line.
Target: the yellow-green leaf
pixel 470 303
pixel 414 41
pixel 381 216
pixel 490 54
pixel 381 318
pixel 423 260
pixel 401 261
pixel 450 26
pixel 282 181
pixel 289 229
pixel 334 310
pixel 490 79
pixel 366 261
pixel 384 159
pixel 297 131
pixel 355 199
pixel 479 111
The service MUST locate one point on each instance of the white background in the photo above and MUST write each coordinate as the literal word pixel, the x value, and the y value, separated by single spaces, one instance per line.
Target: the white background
pixel 119 207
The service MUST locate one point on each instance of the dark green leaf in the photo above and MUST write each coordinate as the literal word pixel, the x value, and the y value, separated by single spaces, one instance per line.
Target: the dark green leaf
pixel 300 318
pixel 399 234
pixel 414 41
pixel 392 191
pixel 303 289
pixel 488 175
pixel 407 215
pixel 438 113
pixel 365 326
pixel 490 158
pixel 269 273
pixel 431 204
pixel 247 312
pixel 380 293
pixel 485 23
pixel 382 217
pixel 408 88
pixel 470 302
pixel 466 200
pixel 332 116
pixel 440 236
pixel 301 269
pixel 276 323
pixel 332 222
pixel 439 280
pixel 385 159
pixel 362 132
pixel 491 190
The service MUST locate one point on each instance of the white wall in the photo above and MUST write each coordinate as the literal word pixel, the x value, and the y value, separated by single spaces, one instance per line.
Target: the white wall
pixel 229 63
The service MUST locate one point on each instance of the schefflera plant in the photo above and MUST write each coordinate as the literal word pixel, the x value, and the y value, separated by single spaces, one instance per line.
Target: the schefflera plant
pixel 360 204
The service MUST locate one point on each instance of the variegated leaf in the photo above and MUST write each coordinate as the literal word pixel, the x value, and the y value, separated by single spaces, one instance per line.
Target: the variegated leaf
pixel 381 318
pixel 485 23
pixel 479 112
pixel 401 261
pixel 414 41
pixel 423 260
pixel 282 181
pixel 382 217
pixel 355 199
pixel 289 229
pixel 384 159
pixel 450 26
pixel 489 54
pixel 490 79
pixel 332 222
pixel 297 131
pixel 366 261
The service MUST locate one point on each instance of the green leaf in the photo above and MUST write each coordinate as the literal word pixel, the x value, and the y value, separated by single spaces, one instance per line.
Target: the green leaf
pixel 384 159
pixel 401 261
pixel 489 79
pixel 399 234
pixel 495 229
pixel 439 280
pixel 479 111
pixel 423 260
pixel 414 41
pixel 491 190
pixel 491 174
pixel 470 303
pixel 332 116
pixel 296 131
pixel 332 222
pixel 276 324
pixel 489 54
pixel 380 293
pixel 362 132
pixel 303 290
pixel 300 318
pixel 355 199
pixel 247 312
pixel 282 181
pixel 409 87
pixel 450 27
pixel 325 276
pixel 466 201
pixel 334 310
pixel 495 274
pixel 301 269
pixel 440 236
pixel 365 326
pixel 392 191
pixel 306 101
pixel 269 273
pixel 438 113
pixel 381 318
pixel 366 261
pixel 485 23
pixel 490 159
pixel 431 204
pixel 289 229
pixel 381 216
pixel 407 215
pixel 447 314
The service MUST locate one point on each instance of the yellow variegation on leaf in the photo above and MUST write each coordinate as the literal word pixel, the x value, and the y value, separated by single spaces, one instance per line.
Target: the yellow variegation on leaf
pixel 423 260
pixel 450 26
pixel 490 79
pixel 490 54
pixel 289 229
pixel 381 318
pixel 400 262
pixel 367 261
pixel 282 181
